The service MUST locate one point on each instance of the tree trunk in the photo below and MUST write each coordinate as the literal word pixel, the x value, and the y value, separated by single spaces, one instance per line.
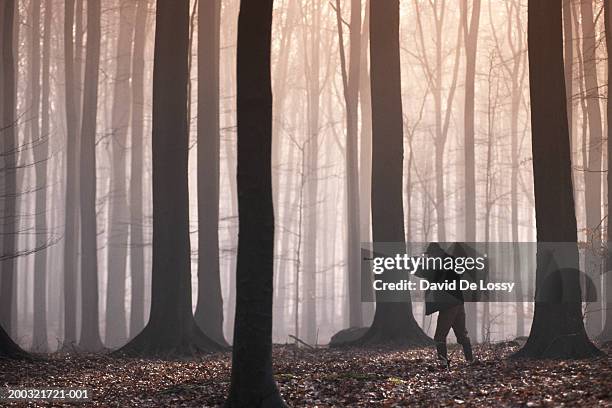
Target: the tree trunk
pixel 252 380
pixel 470 33
pixel 350 80
pixel 90 332
pixel 171 329
pixel 393 321
pixel 40 142
pixel 8 348
pixel 9 143
pixel 557 330
pixel 593 171
pixel 118 218
pixel 311 160
pixel 365 148
pixel 71 223
pixel 136 172
pixel 284 212
pixel 606 334
pixel 209 310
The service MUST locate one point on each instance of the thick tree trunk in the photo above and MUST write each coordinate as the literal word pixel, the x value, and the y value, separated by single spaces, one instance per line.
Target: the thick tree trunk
pixel 136 172
pixel 118 227
pixel 557 330
pixel 8 131
pixel 606 334
pixel 394 321
pixel 171 329
pixel 71 223
pixel 209 310
pixel 90 332
pixel 8 144
pixel 252 380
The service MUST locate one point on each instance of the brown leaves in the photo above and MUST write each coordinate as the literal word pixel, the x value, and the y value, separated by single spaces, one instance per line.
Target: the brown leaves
pixel 345 377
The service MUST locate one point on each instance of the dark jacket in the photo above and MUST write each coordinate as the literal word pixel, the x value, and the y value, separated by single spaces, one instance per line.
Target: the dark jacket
pixel 437 300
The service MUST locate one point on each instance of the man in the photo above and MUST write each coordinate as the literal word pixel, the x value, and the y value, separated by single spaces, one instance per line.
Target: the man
pixel 447 300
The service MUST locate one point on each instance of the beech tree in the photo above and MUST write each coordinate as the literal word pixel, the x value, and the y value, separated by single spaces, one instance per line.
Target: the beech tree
pixel 171 329
pixel 470 25
pixel 9 163
pixel 8 131
pixel 40 140
pixel 593 174
pixel 606 333
pixel 209 309
pixel 118 229
pixel 137 261
pixel 557 330
pixel 350 82
pixel 90 331
pixel 71 225
pixel 252 380
pixel 393 321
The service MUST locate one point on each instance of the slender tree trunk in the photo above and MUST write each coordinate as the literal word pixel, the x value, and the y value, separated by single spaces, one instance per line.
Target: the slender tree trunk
pixel 40 142
pixel 252 379
pixel 350 80
pixel 136 172
pixel 209 310
pixel 171 329
pixel 365 148
pixel 71 223
pixel 470 34
pixel 557 330
pixel 90 332
pixel 118 218
pixel 516 95
pixel 283 210
pixel 310 174
pixel 593 171
pixel 393 321
pixel 568 42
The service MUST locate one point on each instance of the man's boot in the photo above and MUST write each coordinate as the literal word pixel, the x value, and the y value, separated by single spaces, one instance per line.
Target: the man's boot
pixel 442 354
pixel 467 350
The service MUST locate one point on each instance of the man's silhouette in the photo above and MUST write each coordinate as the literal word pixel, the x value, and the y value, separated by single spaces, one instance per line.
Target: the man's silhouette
pixel 449 305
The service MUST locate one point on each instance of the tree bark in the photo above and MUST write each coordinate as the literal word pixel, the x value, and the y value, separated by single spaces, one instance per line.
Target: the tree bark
pixel 90 331
pixel 310 166
pixel 137 263
pixel 393 321
pixel 606 334
pixel 171 329
pixel 40 141
pixel 71 223
pixel 118 218
pixel 593 171
pixel 252 380
pixel 8 131
pixel 470 35
pixel 350 80
pixel 557 330
pixel 209 309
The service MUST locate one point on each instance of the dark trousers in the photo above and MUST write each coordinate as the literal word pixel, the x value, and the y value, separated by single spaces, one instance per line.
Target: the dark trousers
pixel 452 317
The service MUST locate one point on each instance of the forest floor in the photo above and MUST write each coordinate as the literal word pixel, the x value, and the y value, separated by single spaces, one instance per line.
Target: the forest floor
pixel 331 377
